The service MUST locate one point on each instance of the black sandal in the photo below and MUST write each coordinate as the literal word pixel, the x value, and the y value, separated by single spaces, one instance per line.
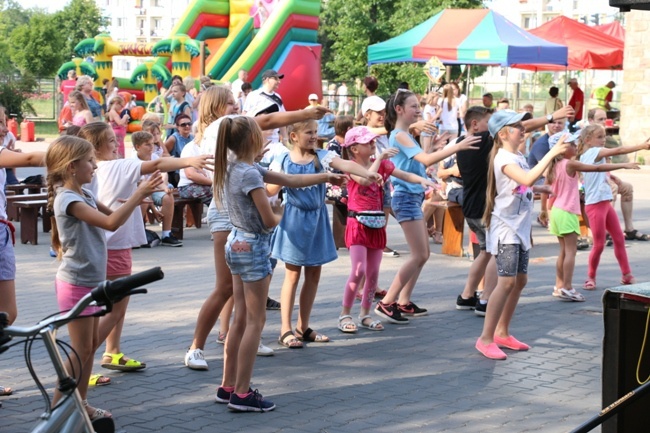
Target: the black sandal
pixel 635 235
pixel 313 336
pixel 292 343
pixel 272 304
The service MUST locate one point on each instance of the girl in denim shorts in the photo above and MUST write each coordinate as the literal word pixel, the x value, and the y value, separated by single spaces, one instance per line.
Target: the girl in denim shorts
pixel 248 249
pixel 402 111
pixel 508 210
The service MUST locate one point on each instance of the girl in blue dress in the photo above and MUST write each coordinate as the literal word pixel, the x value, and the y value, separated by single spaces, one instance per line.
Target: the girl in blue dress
pixel 304 236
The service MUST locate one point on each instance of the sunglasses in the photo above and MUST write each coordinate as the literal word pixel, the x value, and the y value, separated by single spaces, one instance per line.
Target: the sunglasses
pixel 184 125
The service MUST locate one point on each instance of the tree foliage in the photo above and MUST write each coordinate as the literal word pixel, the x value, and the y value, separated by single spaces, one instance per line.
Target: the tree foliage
pixel 348 27
pixel 36 47
pixel 79 20
pixel 38 42
pixel 14 94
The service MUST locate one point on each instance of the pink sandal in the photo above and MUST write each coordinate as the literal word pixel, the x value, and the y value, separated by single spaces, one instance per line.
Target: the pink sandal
pixel 628 279
pixel 590 284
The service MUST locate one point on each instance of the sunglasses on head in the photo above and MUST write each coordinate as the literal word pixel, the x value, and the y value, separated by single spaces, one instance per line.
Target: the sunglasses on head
pixel 185 125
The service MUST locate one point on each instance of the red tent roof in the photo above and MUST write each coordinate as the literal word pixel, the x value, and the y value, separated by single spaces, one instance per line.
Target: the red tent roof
pixel 588 48
pixel 614 29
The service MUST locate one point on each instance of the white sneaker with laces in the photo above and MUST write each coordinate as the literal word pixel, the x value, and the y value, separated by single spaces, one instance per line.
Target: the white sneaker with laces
pixel 194 359
pixel 263 350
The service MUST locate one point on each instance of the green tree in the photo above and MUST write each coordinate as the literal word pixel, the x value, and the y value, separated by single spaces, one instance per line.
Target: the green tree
pixel 14 94
pixel 12 15
pixel 79 20
pixel 36 47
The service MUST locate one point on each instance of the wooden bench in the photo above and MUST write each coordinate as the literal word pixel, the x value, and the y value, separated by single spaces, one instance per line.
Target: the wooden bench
pixel 452 228
pixel 196 208
pixel 13 213
pixel 29 210
pixel 19 188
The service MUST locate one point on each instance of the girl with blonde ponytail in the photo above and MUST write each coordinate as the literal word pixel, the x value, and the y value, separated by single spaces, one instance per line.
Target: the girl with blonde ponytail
pixel 507 216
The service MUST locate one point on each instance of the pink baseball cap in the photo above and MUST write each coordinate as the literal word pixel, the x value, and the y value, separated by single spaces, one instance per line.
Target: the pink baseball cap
pixel 359 135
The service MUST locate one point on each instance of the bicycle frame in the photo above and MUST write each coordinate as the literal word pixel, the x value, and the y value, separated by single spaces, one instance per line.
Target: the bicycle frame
pixel 70 415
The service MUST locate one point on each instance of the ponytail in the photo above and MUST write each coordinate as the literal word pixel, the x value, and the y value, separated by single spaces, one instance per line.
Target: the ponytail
pixel 491 193
pixel 396 99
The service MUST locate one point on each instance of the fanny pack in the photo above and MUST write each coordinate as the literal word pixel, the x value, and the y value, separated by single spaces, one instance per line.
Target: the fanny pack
pixel 374 219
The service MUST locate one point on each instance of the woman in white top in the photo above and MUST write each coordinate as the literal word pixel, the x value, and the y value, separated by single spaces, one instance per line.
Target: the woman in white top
pixel 449 114
pixel 430 113
pixel 462 106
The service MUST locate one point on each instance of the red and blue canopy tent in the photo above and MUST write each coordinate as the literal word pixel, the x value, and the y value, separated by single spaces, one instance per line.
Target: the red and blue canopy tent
pixel 468 37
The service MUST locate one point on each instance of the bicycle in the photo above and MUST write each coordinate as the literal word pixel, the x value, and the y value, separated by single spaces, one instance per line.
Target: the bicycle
pixel 69 415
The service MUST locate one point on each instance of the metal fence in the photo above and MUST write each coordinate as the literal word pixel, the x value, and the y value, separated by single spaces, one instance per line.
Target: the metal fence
pixel 44 100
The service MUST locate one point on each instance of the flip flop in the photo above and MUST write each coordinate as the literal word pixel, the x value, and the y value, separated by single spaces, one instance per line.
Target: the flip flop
pixel 99 380
pixel 292 343
pixel 5 390
pixel 118 363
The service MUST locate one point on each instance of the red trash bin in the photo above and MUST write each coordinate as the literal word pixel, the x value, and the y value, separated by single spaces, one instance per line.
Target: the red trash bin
pixel 12 125
pixel 27 131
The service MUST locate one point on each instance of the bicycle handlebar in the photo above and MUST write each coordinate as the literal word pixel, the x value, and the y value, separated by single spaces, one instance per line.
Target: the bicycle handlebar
pixel 105 293
pixel 110 291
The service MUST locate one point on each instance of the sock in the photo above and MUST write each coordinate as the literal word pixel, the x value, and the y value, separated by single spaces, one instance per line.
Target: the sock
pixel 228 388
pixel 482 301
pixel 243 395
pixel 166 233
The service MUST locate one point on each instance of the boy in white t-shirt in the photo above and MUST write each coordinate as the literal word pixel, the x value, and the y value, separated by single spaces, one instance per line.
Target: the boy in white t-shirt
pixel 143 144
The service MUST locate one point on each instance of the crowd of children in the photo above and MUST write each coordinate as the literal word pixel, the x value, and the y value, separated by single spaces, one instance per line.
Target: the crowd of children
pixel 94 195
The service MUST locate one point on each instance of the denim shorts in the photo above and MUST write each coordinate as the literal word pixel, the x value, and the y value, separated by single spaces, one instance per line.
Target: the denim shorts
pixel 218 219
pixel 476 225
pixel 157 197
pixel 249 255
pixel 7 254
pixel 407 206
pixel 512 259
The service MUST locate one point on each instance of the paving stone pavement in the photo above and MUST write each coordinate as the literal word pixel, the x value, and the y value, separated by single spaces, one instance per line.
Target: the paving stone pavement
pixel 423 377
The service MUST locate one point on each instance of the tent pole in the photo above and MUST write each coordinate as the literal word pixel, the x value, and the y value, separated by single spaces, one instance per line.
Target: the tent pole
pixel 467 84
pixel 505 91
pixel 566 85
pixel 534 88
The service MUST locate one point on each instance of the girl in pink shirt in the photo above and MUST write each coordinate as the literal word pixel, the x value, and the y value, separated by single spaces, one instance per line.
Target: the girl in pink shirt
pixel 365 231
pixel 564 179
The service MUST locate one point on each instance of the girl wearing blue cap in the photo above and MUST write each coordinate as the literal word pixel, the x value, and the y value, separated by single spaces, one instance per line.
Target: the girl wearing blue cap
pixel 508 210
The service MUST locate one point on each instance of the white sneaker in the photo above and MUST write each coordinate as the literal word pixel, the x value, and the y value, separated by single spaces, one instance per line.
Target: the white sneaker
pixel 263 350
pixel 194 360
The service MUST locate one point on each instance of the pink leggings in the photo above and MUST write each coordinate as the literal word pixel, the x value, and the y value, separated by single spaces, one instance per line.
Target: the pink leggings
pixel 365 262
pixel 603 218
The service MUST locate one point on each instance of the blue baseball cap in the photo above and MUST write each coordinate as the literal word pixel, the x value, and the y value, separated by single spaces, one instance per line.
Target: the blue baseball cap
pixel 570 138
pixel 503 118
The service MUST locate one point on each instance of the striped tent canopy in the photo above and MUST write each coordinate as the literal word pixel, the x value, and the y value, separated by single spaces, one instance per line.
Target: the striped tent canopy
pixel 468 37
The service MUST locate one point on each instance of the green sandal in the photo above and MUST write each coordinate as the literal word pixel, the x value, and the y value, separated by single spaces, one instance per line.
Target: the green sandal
pixel 118 363
pixel 98 380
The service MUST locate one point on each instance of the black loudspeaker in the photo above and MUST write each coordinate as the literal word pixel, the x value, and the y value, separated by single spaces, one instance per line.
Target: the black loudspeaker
pixel 627 5
pixel 626 315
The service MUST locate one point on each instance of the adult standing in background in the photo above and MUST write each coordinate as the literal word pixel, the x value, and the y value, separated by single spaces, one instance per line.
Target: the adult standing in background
pixel 553 103
pixel 68 85
pixel 488 101
pixel 342 93
pixel 601 97
pixel 577 101
pixel 266 100
pixel 242 77
pixel 85 86
pixel 370 86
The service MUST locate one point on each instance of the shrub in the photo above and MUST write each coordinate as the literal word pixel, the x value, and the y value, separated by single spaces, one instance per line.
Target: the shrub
pixel 14 94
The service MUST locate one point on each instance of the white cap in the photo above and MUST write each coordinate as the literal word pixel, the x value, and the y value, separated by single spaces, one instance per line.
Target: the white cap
pixel 374 103
pixel 313 97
